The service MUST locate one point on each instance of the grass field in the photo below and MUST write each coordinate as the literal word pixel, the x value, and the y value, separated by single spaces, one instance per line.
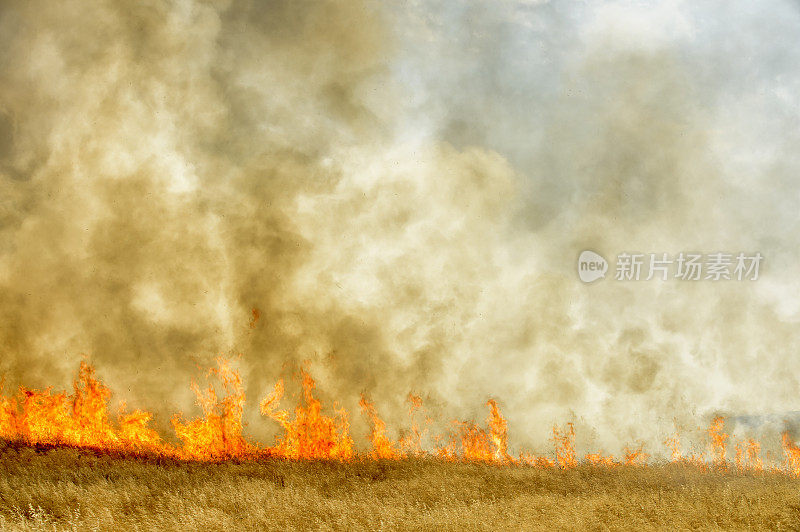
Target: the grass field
pixel 67 489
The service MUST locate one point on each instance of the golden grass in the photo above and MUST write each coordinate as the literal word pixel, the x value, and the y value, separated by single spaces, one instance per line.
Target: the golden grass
pixel 67 489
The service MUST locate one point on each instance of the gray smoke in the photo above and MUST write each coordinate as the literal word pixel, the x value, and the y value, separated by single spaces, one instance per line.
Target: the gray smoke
pixel 402 190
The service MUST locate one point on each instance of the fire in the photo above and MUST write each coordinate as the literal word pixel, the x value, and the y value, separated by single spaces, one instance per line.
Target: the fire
pixel 674 445
pixel 382 447
pixel 535 461
pixel 478 444
pixel 134 431
pixel 447 451
pixel 45 418
pixel 82 419
pixel 498 432
pixel 748 455
pixel 565 447
pixel 79 419
pixel 311 435
pixel 792 454
pixel 598 459
pixel 718 439
pixel 636 456
pixel 218 434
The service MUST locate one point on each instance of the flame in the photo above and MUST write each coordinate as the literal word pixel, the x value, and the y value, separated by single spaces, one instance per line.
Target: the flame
pixel 133 430
pixel 218 434
pixel 535 461
pixel 748 455
pixel 674 445
pixel 718 439
pixel 79 419
pixel 597 459
pixel 311 435
pixel 565 447
pixel 498 427
pixel 382 447
pixel 792 452
pixel 636 456
pixel 698 460
pixel 478 444
pixel 82 419
pixel 447 451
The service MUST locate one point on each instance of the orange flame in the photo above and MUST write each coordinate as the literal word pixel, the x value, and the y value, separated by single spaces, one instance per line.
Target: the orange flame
pixel 748 455
pixel 498 432
pixel 311 435
pixel 718 439
pixel 382 447
pixel 792 454
pixel 478 444
pixel 535 461
pixel 133 430
pixel 218 434
pixel 636 456
pixel 674 445
pixel 598 459
pixel 565 447
pixel 82 419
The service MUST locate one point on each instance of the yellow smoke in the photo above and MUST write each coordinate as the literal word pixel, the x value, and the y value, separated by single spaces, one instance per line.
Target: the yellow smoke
pixel 167 167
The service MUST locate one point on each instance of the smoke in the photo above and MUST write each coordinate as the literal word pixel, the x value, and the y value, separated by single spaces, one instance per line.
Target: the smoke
pixel 401 190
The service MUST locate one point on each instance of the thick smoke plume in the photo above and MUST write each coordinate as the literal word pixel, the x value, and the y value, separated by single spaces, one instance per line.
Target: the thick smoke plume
pixel 398 193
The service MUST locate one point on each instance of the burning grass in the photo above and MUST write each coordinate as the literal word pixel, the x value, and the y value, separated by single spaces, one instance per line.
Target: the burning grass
pixel 62 488
pixel 82 420
pixel 68 464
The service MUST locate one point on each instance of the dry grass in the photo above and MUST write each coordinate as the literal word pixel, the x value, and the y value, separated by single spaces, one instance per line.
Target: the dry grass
pixel 60 488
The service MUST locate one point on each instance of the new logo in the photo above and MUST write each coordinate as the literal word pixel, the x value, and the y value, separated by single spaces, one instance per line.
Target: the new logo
pixel 591 266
